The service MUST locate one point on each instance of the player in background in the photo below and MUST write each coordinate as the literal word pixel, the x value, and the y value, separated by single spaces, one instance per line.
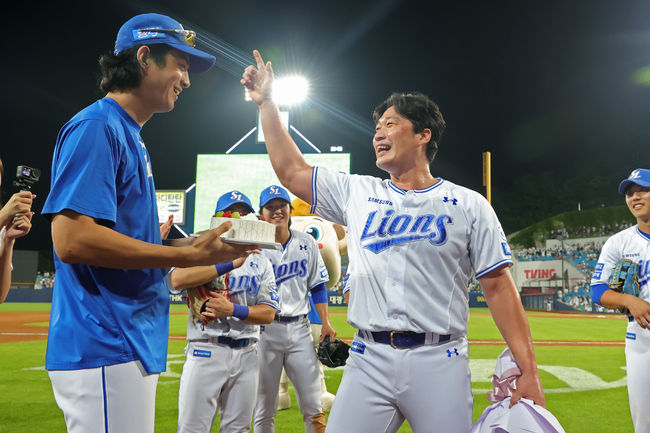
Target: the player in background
pixel 327 398
pixel 632 243
pixel 221 366
pixel 109 322
pixel 15 222
pixel 346 286
pixel 287 341
pixel 414 241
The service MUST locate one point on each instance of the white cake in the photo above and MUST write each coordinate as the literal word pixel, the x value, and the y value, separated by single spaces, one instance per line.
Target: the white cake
pixel 246 229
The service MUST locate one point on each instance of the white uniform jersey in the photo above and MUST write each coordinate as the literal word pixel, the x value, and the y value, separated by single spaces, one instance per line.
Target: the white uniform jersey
pixel 298 268
pixel 346 281
pixel 413 251
pixel 253 283
pixel 631 244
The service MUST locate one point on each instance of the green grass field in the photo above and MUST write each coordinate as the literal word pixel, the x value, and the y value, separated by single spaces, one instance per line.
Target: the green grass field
pixel 585 385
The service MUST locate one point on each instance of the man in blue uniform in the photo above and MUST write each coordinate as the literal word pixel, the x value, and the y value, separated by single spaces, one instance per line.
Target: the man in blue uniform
pixel 108 330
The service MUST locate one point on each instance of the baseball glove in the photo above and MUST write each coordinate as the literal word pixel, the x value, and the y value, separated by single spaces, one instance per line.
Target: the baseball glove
pixel 333 353
pixel 625 279
pixel 197 297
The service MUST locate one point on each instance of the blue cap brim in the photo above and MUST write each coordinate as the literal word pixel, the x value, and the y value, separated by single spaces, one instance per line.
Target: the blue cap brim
pixel 627 182
pixel 273 198
pixel 200 61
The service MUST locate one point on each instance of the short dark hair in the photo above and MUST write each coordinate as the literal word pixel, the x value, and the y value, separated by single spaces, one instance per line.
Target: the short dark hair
pixel 122 72
pixel 421 111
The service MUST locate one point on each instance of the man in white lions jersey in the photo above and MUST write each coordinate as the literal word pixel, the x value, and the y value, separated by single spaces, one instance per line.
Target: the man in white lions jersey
pixel 414 241
pixel 287 341
pixel 633 244
pixel 221 367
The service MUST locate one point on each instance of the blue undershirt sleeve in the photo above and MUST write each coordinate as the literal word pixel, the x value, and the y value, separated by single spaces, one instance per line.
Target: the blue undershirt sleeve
pixel 319 293
pixel 597 291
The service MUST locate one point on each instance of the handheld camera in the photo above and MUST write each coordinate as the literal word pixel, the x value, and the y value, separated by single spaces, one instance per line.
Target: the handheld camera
pixel 26 177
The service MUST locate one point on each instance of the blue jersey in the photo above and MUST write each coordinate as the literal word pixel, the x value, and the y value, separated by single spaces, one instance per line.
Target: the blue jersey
pixel 103 316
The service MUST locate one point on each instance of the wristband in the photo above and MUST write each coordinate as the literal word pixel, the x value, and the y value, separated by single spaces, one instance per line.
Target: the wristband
pixel 223 268
pixel 240 311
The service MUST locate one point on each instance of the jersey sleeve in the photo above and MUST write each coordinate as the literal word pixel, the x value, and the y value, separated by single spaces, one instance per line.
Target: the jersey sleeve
pixel 330 194
pixel 488 247
pixel 268 293
pixel 607 260
pixel 84 171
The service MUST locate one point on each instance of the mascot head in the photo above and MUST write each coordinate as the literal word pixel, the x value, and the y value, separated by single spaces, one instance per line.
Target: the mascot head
pixel 331 238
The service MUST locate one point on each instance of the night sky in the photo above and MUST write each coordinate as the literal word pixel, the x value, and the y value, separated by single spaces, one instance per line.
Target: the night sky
pixel 557 91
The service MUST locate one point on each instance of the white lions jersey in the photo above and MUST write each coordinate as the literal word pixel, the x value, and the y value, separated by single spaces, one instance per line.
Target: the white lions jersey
pixel 298 268
pixel 253 283
pixel 631 244
pixel 413 251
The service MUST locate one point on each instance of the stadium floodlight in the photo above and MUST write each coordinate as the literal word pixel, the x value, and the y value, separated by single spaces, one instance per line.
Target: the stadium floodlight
pixel 287 91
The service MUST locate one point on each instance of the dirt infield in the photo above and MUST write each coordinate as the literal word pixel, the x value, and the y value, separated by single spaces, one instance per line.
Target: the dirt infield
pixel 18 326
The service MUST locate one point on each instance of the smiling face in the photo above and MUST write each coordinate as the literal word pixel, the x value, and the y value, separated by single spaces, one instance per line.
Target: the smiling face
pixel 397 147
pixel 637 198
pixel 277 212
pixel 162 84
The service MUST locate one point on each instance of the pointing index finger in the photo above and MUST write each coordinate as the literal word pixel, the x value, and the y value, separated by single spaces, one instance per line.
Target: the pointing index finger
pixel 259 60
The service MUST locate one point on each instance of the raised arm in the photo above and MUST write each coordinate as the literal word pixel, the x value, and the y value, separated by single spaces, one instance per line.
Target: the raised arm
pixel 287 161
pixel 508 314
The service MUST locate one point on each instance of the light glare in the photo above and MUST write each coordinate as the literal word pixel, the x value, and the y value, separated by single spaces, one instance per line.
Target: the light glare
pixel 289 91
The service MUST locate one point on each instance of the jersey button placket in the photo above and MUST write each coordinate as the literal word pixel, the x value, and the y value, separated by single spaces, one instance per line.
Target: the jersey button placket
pixel 395 283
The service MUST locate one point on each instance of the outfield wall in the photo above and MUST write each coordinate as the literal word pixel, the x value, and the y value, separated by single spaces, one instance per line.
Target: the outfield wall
pixel 336 299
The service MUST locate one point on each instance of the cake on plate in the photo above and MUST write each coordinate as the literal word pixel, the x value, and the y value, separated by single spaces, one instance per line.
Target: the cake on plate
pixel 247 229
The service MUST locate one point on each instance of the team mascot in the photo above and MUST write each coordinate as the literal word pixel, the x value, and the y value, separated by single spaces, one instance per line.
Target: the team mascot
pixel 332 243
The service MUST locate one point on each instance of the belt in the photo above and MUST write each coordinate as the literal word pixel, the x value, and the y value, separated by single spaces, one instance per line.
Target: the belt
pixel 289 319
pixel 227 341
pixel 404 339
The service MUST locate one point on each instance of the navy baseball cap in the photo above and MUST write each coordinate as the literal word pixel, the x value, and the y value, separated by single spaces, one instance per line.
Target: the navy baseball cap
pixel 148 29
pixel 640 176
pixel 231 198
pixel 274 191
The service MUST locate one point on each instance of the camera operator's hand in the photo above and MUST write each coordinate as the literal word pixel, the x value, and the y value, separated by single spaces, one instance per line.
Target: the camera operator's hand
pixel 19 226
pixel 19 204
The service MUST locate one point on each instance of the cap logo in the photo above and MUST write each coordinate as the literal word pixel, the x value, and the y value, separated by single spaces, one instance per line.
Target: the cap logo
pixel 274 190
pixel 140 35
pixel 235 196
pixel 635 174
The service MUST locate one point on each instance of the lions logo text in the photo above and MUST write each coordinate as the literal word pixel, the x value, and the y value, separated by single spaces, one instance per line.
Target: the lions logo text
pixel 382 232
pixel 286 271
pixel 245 283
